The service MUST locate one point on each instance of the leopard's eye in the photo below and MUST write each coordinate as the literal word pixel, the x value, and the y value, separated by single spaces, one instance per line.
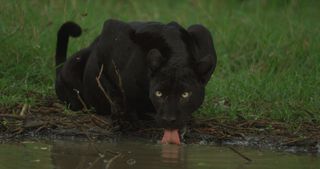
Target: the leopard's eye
pixel 185 94
pixel 158 93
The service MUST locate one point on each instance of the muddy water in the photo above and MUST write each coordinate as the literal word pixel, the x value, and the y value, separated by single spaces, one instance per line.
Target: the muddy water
pixel 135 154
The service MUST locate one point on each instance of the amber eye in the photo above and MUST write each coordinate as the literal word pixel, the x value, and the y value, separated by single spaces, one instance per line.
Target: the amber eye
pixel 185 94
pixel 158 93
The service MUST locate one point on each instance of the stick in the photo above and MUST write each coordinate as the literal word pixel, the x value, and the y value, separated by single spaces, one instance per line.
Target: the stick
pixel 15 133
pixel 112 160
pixel 85 108
pixel 95 161
pixel 119 82
pixel 101 156
pixel 24 108
pixel 293 141
pixel 12 116
pixel 95 118
pixel 240 154
pixel 102 89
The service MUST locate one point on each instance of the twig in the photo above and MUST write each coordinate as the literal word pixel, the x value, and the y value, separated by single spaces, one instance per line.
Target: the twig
pixel 85 108
pixel 81 129
pixel 112 160
pixel 23 110
pixel 240 154
pixel 101 156
pixel 40 128
pixel 119 82
pixel 91 139
pixel 100 120
pixel 118 75
pixel 12 116
pixel 16 132
pixel 294 141
pixel 229 127
pixel 102 89
pixel 95 161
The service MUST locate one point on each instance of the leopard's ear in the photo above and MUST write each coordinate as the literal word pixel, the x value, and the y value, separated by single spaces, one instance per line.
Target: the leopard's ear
pixel 206 58
pixel 154 59
pixel 204 68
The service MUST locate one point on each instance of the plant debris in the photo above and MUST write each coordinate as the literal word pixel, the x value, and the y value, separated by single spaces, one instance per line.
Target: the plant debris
pixel 50 118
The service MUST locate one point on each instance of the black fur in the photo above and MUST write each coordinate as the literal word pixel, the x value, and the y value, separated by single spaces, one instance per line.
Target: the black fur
pixel 151 58
pixel 69 74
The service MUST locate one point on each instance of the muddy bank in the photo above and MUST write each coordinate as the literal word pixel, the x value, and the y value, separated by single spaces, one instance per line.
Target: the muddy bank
pixel 49 119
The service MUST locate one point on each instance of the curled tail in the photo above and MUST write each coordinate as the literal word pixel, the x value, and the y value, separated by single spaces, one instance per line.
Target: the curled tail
pixel 66 30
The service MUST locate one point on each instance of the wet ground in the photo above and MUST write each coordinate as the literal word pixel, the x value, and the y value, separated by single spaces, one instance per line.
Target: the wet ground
pixel 141 154
pixel 49 120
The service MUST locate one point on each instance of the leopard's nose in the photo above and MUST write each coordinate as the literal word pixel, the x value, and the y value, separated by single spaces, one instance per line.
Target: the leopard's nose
pixel 169 119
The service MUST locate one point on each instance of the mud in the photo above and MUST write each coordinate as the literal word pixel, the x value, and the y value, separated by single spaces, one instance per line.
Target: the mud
pixel 49 119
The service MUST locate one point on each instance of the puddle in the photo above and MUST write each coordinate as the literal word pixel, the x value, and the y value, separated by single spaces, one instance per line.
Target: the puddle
pixel 138 154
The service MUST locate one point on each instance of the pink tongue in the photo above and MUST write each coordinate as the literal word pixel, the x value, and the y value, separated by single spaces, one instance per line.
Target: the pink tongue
pixel 170 137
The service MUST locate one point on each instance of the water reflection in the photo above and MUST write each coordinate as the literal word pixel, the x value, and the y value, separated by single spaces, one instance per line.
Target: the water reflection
pixel 66 155
pixel 171 154
pixel 80 156
pixel 142 155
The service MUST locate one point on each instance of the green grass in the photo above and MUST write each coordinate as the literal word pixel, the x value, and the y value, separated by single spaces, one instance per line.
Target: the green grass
pixel 268 50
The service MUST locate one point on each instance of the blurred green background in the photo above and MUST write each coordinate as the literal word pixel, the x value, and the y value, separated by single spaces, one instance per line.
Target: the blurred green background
pixel 268 50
